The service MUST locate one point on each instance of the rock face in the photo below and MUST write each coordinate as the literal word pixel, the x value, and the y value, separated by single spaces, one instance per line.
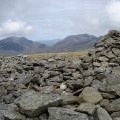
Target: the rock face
pixel 60 88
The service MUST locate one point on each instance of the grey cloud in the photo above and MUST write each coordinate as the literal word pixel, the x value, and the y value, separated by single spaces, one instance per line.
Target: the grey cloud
pixel 59 18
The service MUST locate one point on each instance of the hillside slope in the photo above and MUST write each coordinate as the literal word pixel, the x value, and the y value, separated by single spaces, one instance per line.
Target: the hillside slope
pixel 74 43
pixel 15 45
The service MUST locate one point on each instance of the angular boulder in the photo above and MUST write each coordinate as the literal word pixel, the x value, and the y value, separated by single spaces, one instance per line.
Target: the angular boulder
pixel 114 77
pixel 34 104
pixel 8 112
pixel 91 95
pixel 88 108
pixel 2 93
pixel 115 105
pixel 116 118
pixel 57 113
pixel 102 114
pixel 8 115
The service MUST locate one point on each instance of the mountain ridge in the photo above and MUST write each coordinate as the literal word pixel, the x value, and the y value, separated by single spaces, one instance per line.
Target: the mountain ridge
pixel 74 43
pixel 16 45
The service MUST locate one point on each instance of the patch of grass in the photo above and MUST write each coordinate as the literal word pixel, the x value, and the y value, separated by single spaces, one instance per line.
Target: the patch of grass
pixel 66 54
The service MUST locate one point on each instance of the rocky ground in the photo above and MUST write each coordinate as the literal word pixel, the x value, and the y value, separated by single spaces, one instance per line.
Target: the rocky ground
pixel 61 88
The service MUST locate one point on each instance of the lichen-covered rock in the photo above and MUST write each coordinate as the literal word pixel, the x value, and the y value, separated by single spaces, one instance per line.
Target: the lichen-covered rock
pixel 91 95
pixel 114 77
pixel 34 104
pixel 2 93
pixel 8 115
pixel 115 105
pixel 65 114
pixel 88 108
pixel 116 118
pixel 102 114
pixel 69 99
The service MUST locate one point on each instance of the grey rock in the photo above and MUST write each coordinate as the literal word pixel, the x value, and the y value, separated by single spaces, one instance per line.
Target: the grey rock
pixel 2 112
pixel 116 118
pixel 51 60
pixel 115 114
pixel 88 73
pixel 98 85
pixel 77 75
pixel 116 51
pixel 91 95
pixel 46 74
pixel 69 99
pixel 96 64
pixel 43 117
pixel 108 95
pixel 75 84
pixel 32 119
pixel 102 114
pixel 109 41
pixel 2 93
pixel 8 107
pixel 8 115
pixel 110 55
pixel 76 64
pixel 100 69
pixel 48 89
pixel 57 79
pixel 65 114
pixel 100 76
pixel 87 59
pixel 102 59
pixel 114 88
pixel 115 105
pixel 88 108
pixel 88 81
pixel 9 99
pixel 105 103
pixel 34 104
pixel 114 77
pixel 9 112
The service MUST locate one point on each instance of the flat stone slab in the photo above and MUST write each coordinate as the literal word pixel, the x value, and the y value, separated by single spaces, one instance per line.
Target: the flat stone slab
pixel 10 115
pixel 58 113
pixel 91 95
pixel 88 108
pixel 34 104
pixel 102 114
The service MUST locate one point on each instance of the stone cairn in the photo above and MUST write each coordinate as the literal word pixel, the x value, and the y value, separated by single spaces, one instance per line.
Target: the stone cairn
pixel 61 88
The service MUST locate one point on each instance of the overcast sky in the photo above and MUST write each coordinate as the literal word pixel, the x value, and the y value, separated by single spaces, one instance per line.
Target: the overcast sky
pixel 52 19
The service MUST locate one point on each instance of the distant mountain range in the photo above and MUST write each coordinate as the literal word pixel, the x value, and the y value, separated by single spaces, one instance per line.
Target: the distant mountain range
pixel 17 45
pixel 50 42
pixel 74 43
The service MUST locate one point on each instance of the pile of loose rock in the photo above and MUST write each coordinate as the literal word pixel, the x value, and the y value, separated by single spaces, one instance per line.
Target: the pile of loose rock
pixel 61 88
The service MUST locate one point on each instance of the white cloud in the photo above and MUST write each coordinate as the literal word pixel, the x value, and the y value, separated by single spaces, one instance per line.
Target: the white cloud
pixel 58 18
pixel 113 12
pixel 11 28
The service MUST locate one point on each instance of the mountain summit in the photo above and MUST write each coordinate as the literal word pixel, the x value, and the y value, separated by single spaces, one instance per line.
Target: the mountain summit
pixel 74 43
pixel 15 45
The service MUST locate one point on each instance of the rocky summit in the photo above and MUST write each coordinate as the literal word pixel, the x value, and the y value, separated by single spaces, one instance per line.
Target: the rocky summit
pixel 61 88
